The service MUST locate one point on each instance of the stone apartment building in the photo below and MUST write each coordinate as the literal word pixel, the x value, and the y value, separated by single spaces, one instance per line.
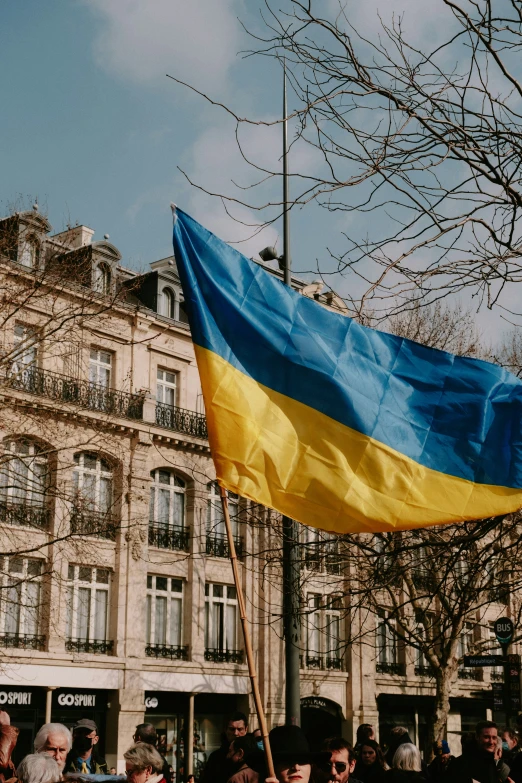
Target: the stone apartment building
pixel 117 595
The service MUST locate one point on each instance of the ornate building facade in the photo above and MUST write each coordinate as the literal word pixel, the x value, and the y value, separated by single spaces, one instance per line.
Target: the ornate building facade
pixel 117 596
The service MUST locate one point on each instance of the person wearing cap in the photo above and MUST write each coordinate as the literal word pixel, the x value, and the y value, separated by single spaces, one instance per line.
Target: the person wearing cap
pixel 83 756
pixel 438 769
pixel 291 755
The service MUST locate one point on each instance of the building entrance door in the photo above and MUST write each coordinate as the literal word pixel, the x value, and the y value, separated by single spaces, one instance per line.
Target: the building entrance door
pixel 320 719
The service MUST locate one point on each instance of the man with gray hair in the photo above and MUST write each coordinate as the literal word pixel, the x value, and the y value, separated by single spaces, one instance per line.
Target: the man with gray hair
pixel 54 739
pixel 38 768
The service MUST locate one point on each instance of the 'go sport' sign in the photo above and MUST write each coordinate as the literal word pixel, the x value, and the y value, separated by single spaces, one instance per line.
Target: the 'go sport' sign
pixel 16 698
pixel 77 699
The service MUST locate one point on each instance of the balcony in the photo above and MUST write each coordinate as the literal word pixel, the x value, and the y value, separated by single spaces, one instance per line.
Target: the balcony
pixel 424 671
pixel 423 580
pixel 83 393
pixel 223 656
pixel 322 662
pixel 496 676
pixel 469 674
pixel 181 420
pixel 24 514
pixel 26 641
pixel 165 537
pixel 217 545
pixel 322 557
pixel 172 652
pixel 93 523
pixel 398 669
pixel 96 646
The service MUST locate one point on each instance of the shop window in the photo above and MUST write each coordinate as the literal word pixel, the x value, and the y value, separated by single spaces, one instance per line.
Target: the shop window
pixel 323 628
pixel 166 387
pixel 21 602
pixel 221 640
pixel 164 612
pixel 87 609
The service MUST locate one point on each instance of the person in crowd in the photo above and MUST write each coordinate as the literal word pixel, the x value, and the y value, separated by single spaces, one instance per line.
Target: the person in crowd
pixel 54 739
pixel 244 754
pixel 8 738
pixel 438 769
pixel 364 732
pixel 112 771
pixel 406 765
pixel 143 764
pixel 291 754
pixel 398 736
pixel 190 779
pixel 336 763
pixel 371 765
pixel 480 761
pixel 510 746
pixel 219 768
pixel 146 732
pixel 83 756
pixel 502 767
pixel 170 778
pixel 38 768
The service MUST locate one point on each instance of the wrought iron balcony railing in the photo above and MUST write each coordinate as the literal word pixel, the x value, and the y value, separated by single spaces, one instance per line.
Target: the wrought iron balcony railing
pixel 24 514
pixel 321 556
pixel 170 651
pixel 97 646
pixel 468 674
pixel 496 676
pixel 391 668
pixel 424 671
pixel 26 641
pixel 75 391
pixel 165 537
pixel 334 664
pixel 217 545
pixel 181 420
pixel 93 523
pixel 322 662
pixel 223 656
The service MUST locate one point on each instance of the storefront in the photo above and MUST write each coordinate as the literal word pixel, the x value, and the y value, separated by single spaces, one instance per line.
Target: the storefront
pixel 26 708
pixel 320 718
pixel 69 705
pixel 168 713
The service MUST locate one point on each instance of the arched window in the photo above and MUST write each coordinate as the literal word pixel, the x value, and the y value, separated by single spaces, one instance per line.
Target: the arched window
pixel 24 477
pixel 102 279
pixel 168 303
pixel 92 482
pixel 30 253
pixel 167 499
pixel 215 518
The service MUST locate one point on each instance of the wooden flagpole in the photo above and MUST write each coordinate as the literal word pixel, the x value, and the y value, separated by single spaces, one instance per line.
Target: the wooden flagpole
pixel 246 636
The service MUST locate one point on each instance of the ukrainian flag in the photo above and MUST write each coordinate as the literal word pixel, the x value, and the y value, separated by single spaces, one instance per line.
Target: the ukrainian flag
pixel 336 425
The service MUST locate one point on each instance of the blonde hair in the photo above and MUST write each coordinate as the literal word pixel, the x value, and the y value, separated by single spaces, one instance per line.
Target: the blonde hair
pixel 407 757
pixel 143 755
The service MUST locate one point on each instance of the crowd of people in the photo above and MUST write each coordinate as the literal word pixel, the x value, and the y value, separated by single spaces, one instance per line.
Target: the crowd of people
pixel 488 756
pixel 59 752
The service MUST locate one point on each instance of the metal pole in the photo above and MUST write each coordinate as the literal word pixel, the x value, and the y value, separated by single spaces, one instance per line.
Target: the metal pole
pixel 291 565
pixel 189 738
pixel 246 636
pixel 49 702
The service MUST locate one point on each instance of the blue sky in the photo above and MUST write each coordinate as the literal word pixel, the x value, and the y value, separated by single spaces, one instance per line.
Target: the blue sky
pixel 92 127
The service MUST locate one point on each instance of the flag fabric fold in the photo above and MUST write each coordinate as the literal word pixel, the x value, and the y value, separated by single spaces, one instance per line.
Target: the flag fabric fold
pixel 336 425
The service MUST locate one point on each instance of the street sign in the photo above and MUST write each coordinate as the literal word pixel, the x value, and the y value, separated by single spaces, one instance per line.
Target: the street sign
pixel 484 660
pixel 504 630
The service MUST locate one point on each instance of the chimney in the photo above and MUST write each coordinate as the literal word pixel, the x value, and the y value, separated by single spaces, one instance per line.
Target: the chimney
pixel 77 236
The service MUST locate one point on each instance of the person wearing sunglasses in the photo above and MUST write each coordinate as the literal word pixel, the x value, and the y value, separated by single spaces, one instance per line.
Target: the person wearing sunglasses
pixel 339 767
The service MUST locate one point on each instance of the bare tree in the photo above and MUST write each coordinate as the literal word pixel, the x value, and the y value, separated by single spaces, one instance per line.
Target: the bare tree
pixel 421 143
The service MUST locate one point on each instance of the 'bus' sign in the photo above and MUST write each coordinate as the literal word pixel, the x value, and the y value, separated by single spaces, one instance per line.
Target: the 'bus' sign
pixel 504 630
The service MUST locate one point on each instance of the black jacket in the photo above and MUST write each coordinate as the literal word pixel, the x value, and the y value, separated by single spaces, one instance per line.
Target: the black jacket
pixel 479 765
pixel 404 776
pixel 218 768
pixel 100 765
pixel 369 774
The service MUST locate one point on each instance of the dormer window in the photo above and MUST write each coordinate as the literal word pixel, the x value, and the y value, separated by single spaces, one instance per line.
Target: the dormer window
pixel 30 253
pixel 168 302
pixel 102 279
